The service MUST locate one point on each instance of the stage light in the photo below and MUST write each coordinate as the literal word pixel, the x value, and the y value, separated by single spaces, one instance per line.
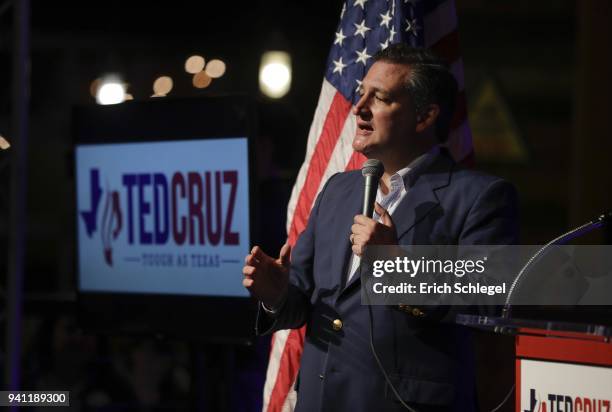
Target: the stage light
pixel 215 68
pixel 194 64
pixel 4 144
pixel 275 74
pixel 111 91
pixel 162 85
pixel 201 80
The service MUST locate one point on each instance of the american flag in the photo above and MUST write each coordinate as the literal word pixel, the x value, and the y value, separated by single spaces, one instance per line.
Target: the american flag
pixel 366 26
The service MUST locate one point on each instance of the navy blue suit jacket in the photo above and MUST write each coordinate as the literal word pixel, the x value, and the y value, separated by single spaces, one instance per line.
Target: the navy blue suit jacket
pixel 430 363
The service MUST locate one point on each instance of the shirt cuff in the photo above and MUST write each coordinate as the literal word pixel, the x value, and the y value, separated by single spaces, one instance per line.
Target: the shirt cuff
pixel 272 311
pixel 269 310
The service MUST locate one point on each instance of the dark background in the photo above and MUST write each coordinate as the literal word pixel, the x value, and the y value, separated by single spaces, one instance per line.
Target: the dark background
pixel 549 62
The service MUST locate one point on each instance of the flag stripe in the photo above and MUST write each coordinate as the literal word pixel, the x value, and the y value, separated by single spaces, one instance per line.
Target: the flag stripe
pixel 290 361
pixel 342 152
pixel 355 162
pixel 338 160
pixel 277 349
pixel 325 100
pixel 334 123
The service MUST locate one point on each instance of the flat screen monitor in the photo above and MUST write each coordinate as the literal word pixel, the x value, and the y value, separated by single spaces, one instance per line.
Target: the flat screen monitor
pixel 163 217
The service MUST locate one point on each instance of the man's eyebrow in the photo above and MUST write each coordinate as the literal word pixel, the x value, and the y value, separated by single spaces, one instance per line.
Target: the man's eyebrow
pixel 375 89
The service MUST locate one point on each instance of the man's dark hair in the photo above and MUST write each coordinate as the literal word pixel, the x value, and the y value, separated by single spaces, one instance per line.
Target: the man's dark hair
pixel 431 82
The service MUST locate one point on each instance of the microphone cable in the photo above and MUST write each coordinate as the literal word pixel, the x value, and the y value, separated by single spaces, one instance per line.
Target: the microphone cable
pixel 375 354
pixel 505 399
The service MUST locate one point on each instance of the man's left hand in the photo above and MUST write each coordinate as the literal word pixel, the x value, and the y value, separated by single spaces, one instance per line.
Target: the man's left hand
pixel 367 231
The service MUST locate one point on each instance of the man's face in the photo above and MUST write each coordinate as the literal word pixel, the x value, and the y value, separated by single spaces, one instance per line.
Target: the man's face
pixel 386 117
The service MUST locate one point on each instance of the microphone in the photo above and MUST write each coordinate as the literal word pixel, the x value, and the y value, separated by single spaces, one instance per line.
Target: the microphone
pixel 372 170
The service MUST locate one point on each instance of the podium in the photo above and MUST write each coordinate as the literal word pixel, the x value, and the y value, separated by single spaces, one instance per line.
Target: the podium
pixel 560 366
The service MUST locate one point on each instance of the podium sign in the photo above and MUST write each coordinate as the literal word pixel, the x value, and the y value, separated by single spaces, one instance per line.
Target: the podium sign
pixel 560 366
pixel 566 374
pixel 554 386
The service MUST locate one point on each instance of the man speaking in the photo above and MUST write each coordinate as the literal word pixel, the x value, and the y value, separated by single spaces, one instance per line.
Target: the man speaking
pixel 360 358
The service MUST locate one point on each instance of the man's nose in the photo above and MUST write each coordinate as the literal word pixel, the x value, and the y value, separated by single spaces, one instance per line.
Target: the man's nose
pixel 361 107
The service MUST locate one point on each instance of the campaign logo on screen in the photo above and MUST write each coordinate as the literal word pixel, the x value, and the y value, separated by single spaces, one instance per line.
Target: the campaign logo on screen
pixel 166 217
pixel 168 227
pixel 112 215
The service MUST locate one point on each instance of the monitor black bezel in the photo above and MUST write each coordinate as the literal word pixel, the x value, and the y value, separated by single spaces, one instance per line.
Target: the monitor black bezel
pixel 203 318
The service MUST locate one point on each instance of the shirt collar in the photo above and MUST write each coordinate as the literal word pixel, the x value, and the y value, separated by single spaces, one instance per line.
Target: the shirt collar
pixel 406 175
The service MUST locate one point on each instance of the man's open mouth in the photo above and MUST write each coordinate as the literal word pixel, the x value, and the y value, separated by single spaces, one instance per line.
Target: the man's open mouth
pixel 364 127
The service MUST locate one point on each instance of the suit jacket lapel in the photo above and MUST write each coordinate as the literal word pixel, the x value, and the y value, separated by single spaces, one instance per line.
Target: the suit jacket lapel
pixel 433 174
pixel 342 230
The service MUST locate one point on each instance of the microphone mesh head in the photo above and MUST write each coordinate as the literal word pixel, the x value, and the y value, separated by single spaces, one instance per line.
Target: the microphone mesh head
pixel 372 167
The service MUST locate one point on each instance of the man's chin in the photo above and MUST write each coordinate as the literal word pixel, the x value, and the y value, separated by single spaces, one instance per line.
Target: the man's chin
pixel 360 145
pixel 367 151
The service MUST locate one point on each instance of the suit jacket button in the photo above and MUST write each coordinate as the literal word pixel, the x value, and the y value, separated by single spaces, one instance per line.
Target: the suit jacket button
pixel 416 312
pixel 337 324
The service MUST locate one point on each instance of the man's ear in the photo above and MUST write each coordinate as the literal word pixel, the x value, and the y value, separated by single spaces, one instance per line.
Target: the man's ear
pixel 427 117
